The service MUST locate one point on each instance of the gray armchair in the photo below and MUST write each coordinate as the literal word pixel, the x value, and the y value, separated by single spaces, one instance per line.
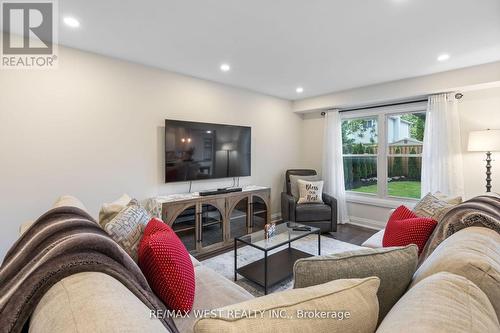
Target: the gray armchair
pixel 323 216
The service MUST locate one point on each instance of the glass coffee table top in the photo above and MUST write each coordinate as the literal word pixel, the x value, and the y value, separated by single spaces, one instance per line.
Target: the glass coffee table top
pixel 284 234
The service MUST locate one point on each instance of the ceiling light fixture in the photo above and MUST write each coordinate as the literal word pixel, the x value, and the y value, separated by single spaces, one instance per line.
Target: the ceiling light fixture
pixel 225 67
pixel 299 90
pixel 71 22
pixel 443 57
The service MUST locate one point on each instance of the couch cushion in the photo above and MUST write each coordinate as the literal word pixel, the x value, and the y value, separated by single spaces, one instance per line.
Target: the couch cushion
pixel 473 253
pixel 68 200
pixel 65 200
pixel 443 302
pixel 92 302
pixel 313 212
pixel 166 264
pixel 212 291
pixel 357 297
pixel 394 266
pixel 375 241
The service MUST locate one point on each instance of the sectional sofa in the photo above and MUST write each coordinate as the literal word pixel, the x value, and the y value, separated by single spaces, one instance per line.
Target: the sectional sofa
pixel 457 289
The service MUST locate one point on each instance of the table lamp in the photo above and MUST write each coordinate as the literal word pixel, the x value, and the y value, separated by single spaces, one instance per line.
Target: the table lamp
pixel 485 141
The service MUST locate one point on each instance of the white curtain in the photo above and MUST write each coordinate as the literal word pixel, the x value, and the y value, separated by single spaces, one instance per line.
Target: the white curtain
pixel 333 171
pixel 442 168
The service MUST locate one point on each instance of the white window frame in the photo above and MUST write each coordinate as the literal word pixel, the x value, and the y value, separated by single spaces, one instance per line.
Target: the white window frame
pixel 381 198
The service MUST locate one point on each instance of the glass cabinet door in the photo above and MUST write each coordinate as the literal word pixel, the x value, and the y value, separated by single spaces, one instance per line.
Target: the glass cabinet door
pixel 238 219
pixel 185 227
pixel 259 214
pixel 212 226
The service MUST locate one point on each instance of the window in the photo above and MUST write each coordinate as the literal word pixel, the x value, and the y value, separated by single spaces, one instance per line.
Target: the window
pixel 359 149
pixel 382 150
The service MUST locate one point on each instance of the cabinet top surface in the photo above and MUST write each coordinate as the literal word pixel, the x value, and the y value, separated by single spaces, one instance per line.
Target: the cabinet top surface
pixel 196 195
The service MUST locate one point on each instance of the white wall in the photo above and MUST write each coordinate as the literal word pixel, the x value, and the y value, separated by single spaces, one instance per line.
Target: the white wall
pixel 479 109
pixel 94 128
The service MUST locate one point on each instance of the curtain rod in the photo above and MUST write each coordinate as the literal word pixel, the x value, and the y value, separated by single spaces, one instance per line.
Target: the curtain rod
pixel 457 96
pixel 383 105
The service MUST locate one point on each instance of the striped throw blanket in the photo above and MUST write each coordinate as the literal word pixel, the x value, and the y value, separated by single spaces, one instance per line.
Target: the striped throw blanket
pixel 62 242
pixel 481 211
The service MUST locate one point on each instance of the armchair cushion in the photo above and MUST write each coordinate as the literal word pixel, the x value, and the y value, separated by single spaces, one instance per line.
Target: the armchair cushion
pixel 313 212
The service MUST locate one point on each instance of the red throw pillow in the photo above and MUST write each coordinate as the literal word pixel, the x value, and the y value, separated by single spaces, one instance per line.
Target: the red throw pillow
pixel 167 266
pixel 405 227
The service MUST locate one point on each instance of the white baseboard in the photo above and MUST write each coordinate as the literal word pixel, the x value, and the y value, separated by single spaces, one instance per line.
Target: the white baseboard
pixel 366 223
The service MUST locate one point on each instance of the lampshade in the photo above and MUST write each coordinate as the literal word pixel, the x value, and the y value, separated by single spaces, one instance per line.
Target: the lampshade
pixel 487 140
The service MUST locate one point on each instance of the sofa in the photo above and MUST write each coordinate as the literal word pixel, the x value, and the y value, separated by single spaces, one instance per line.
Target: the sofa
pixel 455 290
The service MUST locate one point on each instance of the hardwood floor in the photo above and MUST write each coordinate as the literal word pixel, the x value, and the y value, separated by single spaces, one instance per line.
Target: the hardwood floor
pixel 352 233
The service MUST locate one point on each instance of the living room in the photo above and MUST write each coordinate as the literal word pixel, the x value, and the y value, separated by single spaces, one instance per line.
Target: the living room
pixel 361 120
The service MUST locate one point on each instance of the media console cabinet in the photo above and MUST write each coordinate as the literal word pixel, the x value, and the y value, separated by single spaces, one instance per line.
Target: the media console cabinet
pixel 208 224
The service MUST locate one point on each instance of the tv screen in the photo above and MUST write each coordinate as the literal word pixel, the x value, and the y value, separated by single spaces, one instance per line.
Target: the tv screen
pixel 195 151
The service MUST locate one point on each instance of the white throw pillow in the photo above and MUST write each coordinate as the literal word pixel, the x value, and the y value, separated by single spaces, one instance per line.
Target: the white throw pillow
pixel 294 185
pixel 310 192
pixel 110 210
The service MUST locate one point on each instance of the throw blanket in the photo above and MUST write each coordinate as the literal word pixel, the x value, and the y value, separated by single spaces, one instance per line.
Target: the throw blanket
pixel 62 242
pixel 479 211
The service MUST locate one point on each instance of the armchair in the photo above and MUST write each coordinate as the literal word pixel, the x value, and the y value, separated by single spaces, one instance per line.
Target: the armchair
pixel 323 216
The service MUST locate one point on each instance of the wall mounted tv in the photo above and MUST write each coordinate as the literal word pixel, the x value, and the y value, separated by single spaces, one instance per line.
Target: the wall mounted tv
pixel 195 151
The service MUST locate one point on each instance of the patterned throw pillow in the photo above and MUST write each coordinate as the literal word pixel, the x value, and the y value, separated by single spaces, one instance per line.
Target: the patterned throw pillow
pixel 451 200
pixel 310 192
pixel 167 266
pixel 405 227
pixel 128 226
pixel 432 207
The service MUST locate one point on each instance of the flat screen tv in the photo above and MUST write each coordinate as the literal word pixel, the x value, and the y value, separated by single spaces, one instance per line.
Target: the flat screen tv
pixel 195 151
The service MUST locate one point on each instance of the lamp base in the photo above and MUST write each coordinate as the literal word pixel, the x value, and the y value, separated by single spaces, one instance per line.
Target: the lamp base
pixel 488 171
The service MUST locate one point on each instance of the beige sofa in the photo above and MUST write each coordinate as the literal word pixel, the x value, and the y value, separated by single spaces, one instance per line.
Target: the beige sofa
pixel 466 301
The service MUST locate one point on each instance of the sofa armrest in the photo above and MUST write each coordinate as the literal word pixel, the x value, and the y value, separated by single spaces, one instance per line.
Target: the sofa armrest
pixel 287 207
pixel 394 266
pixel 332 202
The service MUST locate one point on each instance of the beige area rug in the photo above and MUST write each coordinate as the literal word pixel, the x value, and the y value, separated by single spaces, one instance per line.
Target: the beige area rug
pixel 224 263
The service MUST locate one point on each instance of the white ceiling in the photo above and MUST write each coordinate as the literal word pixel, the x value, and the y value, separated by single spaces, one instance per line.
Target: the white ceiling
pixel 274 46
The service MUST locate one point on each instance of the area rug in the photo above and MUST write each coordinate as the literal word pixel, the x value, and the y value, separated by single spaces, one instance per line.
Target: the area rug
pixel 224 263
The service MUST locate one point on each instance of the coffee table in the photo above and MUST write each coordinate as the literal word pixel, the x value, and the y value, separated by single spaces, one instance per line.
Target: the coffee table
pixel 276 267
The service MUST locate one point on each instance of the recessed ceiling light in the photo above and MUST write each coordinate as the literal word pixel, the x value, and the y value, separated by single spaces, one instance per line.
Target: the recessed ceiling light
pixel 443 57
pixel 299 90
pixel 225 67
pixel 71 22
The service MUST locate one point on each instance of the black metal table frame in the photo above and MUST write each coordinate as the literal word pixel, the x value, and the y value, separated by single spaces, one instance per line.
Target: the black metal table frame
pixel 289 242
